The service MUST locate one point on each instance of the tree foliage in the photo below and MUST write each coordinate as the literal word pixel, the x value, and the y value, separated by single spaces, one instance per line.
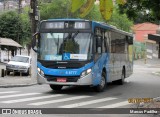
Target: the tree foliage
pixel 137 10
pixel 55 9
pixel 62 9
pixel 121 21
pixel 95 14
pixel 14 26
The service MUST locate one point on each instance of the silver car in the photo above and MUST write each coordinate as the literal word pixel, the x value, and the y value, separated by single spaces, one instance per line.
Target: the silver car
pixel 19 63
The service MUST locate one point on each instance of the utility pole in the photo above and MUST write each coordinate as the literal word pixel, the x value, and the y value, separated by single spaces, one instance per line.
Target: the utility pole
pixel 19 12
pixel 34 21
pixel 4 5
pixel 33 15
pixel 19 6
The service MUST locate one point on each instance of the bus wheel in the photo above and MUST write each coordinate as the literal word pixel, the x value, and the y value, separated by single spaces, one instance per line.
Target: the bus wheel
pixel 56 87
pixel 102 85
pixel 121 81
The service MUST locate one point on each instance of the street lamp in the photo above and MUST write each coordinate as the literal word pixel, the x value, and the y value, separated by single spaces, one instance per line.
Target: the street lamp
pixel 145 41
pixel 147 12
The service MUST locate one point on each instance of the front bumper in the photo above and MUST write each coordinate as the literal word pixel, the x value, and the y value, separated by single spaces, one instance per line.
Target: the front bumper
pixel 86 80
pixel 22 70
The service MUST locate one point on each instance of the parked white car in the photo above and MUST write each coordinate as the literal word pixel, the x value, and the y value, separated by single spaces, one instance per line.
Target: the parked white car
pixel 19 63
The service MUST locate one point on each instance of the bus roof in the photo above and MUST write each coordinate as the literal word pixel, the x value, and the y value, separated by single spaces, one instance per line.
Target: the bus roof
pixel 113 28
pixel 67 19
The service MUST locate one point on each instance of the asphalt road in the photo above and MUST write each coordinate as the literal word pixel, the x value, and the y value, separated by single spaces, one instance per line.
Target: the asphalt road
pixel 142 84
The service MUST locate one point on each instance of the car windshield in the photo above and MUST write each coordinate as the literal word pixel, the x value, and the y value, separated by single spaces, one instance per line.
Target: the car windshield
pixel 65 46
pixel 20 59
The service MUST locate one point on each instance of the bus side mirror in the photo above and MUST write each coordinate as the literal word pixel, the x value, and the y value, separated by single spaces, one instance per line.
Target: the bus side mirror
pixel 35 40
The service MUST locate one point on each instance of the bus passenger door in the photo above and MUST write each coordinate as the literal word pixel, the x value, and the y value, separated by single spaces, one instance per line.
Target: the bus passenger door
pixel 99 59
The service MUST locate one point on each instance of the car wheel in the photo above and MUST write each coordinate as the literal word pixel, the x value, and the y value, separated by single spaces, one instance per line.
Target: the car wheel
pixel 56 87
pixel 102 85
pixel 27 72
pixel 8 72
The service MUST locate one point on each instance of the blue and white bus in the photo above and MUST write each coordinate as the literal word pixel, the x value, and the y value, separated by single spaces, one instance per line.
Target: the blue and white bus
pixel 78 52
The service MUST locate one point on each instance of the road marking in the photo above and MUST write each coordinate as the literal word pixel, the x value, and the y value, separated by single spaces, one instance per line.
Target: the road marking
pixel 124 103
pixel 59 100
pixel 9 92
pixel 30 99
pixel 18 95
pixel 87 102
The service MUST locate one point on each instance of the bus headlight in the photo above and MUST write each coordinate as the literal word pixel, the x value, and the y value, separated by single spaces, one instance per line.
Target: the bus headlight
pixel 86 72
pixel 40 72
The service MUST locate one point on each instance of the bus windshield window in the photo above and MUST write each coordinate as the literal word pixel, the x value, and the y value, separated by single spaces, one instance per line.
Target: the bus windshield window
pixel 65 46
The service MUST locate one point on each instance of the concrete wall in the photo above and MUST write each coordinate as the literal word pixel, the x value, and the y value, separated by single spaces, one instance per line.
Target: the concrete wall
pixel 152 50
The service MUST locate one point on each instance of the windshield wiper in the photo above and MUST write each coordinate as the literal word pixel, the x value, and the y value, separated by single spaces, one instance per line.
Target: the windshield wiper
pixel 75 34
pixel 70 35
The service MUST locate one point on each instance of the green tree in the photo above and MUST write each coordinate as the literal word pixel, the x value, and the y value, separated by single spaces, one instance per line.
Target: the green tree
pixel 85 6
pixel 26 26
pixel 55 9
pixel 95 14
pixel 9 23
pixel 136 10
pixel 121 21
pixel 62 9
pixel 14 26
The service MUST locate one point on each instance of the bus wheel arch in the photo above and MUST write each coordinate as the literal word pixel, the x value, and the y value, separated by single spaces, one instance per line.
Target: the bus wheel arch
pixel 100 87
pixel 123 75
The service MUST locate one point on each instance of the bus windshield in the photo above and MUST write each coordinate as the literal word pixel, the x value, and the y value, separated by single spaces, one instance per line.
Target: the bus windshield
pixel 65 46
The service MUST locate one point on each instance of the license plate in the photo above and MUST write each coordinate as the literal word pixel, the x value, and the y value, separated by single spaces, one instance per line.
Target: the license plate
pixel 61 79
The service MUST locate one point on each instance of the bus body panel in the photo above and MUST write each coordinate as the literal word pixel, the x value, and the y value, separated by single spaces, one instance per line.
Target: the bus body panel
pixel 100 64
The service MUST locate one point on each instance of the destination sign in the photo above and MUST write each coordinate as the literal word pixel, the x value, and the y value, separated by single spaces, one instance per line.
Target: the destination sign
pixel 54 25
pixel 65 25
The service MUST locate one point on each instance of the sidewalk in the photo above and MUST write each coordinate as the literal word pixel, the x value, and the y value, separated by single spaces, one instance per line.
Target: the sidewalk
pixel 148 63
pixel 14 81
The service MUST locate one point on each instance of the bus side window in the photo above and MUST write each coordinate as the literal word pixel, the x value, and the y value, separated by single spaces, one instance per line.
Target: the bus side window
pixel 98 40
pixel 99 44
pixel 106 40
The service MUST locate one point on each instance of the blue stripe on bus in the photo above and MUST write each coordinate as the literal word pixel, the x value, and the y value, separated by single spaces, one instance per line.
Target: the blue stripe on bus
pixel 102 62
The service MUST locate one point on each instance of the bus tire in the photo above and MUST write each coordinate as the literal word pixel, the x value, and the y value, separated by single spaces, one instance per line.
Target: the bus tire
pixel 102 85
pixel 56 87
pixel 121 81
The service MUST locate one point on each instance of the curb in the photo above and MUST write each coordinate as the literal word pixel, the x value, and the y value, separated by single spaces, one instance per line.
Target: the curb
pixel 16 85
pixel 156 73
pixel 156 99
